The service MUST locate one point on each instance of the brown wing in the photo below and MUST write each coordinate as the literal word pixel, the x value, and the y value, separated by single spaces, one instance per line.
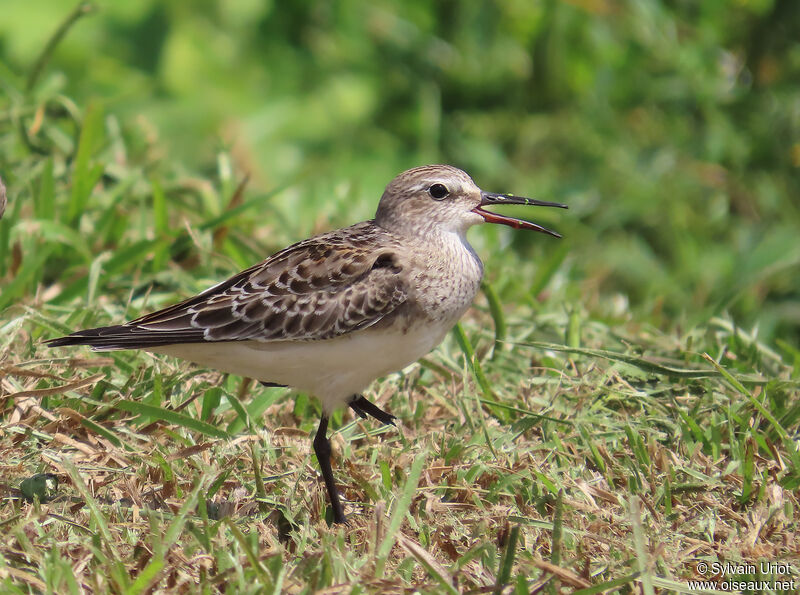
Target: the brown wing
pixel 320 288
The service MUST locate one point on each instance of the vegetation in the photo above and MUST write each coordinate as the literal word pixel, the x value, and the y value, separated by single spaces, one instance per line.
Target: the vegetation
pixel 619 407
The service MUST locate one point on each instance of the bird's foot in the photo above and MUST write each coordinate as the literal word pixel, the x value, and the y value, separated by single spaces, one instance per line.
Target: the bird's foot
pixel 363 408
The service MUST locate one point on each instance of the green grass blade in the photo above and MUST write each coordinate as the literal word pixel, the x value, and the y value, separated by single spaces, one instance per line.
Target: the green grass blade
pixel 173 417
pixel 472 361
pixel 558 526
pixel 545 271
pixel 642 363
pixel 81 10
pixel 496 310
pixel 84 174
pixel 143 580
pixel 747 394
pixel 642 558
pixel 99 519
pixel 160 225
pixel 101 431
pixel 45 201
pixel 507 560
pixel 400 509
pixel 25 277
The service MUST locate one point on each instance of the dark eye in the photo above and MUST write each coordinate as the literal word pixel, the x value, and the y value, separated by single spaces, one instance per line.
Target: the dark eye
pixel 438 191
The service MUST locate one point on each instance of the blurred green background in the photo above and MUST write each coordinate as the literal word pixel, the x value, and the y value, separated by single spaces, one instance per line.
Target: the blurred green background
pixel 669 127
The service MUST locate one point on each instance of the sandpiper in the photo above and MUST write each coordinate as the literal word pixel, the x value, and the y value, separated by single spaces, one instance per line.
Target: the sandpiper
pixel 332 313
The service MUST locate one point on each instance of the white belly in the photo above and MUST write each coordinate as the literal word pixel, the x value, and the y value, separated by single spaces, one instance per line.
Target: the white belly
pixel 332 370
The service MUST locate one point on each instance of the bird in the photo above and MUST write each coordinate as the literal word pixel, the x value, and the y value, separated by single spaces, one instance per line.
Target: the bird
pixel 332 313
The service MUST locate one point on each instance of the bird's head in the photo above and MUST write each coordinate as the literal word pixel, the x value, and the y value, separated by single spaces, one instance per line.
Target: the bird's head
pixel 443 197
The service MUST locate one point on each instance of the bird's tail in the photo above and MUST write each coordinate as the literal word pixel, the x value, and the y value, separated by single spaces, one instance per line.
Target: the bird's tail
pixel 123 336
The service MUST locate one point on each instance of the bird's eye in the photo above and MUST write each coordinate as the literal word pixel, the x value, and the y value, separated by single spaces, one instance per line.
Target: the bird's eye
pixel 438 191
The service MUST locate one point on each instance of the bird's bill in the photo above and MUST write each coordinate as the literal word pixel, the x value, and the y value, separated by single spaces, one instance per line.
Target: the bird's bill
pixel 489 198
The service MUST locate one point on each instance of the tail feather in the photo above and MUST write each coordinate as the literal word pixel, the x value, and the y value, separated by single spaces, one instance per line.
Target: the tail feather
pixel 121 336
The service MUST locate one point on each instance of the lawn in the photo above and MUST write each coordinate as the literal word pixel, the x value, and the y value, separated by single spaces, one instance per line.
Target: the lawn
pixel 620 409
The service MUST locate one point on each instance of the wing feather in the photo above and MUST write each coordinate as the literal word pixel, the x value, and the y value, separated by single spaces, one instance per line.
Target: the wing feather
pixel 320 288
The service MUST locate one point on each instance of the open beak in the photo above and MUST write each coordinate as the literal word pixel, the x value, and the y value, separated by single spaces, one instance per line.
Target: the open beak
pixel 489 198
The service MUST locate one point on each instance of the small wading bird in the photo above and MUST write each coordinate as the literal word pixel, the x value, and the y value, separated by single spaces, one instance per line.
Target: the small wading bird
pixel 332 313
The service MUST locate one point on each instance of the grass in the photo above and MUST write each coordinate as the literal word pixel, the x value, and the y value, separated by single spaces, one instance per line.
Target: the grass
pixel 610 464
pixel 569 436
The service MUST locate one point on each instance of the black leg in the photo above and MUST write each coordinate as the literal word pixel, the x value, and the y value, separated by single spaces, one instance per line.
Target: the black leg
pixel 322 448
pixel 363 407
pixel 358 410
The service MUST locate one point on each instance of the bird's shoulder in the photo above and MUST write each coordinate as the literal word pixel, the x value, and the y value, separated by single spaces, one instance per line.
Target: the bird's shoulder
pixel 327 259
